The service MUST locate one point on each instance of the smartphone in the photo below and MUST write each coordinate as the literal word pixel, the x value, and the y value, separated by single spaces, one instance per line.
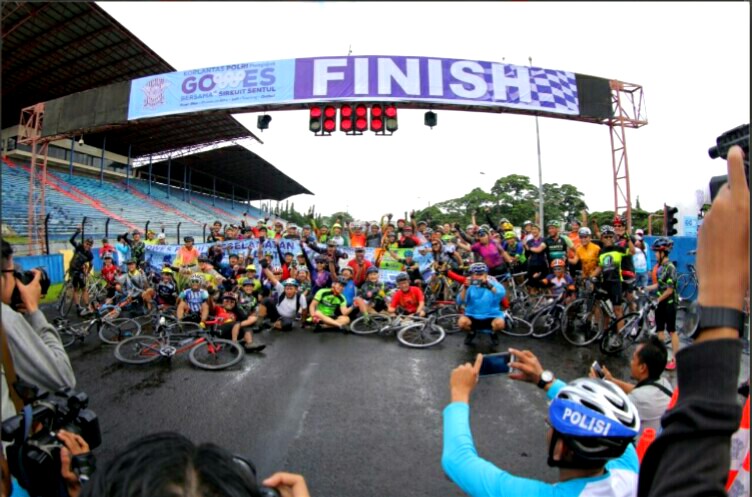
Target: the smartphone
pixel 496 363
pixel 598 370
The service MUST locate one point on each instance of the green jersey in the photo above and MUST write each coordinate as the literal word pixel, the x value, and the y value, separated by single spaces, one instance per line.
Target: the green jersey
pixel 328 303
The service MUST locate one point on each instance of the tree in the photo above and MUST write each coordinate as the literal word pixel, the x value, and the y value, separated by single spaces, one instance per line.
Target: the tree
pixel 516 199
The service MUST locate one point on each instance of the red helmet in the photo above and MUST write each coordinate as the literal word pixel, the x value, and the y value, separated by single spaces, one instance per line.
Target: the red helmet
pixel 557 263
pixel 620 221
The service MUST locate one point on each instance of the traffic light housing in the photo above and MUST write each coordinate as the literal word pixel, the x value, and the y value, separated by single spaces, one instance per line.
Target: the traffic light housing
pixel 346 119
pixel 669 220
pixel 314 119
pixel 390 111
pixel 430 119
pixel 361 118
pixel 330 119
pixel 263 122
pixel 377 118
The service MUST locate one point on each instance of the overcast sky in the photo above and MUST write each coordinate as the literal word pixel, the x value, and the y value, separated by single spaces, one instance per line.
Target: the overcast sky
pixel 692 59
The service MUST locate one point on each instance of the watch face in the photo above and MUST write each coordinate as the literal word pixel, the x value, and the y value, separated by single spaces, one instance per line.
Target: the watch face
pixel 547 376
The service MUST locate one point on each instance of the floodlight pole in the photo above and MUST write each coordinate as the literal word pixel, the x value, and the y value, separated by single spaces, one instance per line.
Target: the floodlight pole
pixel 70 162
pixel 540 168
pixel 101 162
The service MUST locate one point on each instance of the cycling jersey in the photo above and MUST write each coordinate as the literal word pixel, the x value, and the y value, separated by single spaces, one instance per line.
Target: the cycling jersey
pixel 247 302
pixel 373 240
pixel 186 257
pixel 588 255
pixel 81 256
pixel 135 283
pixel 329 304
pixel 479 478
pixel 481 302
pixel 556 248
pixel 534 259
pixel 194 299
pixel 490 254
pixel 627 264
pixel 370 291
pixel 358 240
pixel 610 262
pixel 139 250
pixel 559 285
pixel 666 278
pixel 409 300
pixel 166 292
pixel 109 273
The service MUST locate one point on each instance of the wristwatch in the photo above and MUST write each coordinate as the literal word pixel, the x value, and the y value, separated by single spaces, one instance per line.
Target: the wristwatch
pixel 717 317
pixel 546 378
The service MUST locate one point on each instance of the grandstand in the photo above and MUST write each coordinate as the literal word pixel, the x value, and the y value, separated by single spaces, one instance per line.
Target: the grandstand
pixel 54 52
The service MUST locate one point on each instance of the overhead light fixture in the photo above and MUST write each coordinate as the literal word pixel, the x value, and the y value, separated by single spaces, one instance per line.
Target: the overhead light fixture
pixel 263 122
pixel 81 140
pixel 430 119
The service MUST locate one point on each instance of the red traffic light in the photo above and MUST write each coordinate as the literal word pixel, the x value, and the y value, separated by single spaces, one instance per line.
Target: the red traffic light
pixel 361 110
pixel 376 111
pixel 346 118
pixel 377 124
pixel 345 111
pixel 329 125
pixel 361 124
pixel 315 111
pixel 390 111
pixel 314 119
pixel 329 111
pixel 377 118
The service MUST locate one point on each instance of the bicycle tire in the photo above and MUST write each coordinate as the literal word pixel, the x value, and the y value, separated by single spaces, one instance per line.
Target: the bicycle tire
pixel 421 335
pixel 369 324
pixel 546 321
pixel 686 286
pixel 449 323
pixel 66 299
pixel 577 324
pixel 138 350
pixel 686 320
pixel 115 331
pixel 216 354
pixel 628 327
pixel 517 327
pixel 67 337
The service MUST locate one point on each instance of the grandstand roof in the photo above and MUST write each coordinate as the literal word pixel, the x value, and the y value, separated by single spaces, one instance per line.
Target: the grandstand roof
pixel 252 176
pixel 54 49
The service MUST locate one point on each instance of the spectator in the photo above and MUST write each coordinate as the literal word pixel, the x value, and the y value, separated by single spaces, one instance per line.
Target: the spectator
pixel 359 265
pixel 691 457
pixel 106 248
pixel 591 426
pixel 35 348
pixel 123 250
pixel 640 260
pixel 170 464
pixel 79 269
pixel 652 393
pixel 138 248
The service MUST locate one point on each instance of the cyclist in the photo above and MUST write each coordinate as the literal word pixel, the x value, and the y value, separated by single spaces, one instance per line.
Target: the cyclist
pixel 537 264
pixel 336 236
pixel 193 304
pixel 560 281
pixel 516 251
pixel 357 236
pixel 373 239
pixel 151 238
pixel 609 269
pixel 292 232
pixel 665 286
pixel 282 308
pixel 408 298
pixel 247 300
pixel 372 294
pixel 109 272
pixel 304 281
pixel 592 424
pixel 106 248
pixel 586 255
pixel 556 245
pixel 307 235
pixel 329 308
pixel 207 272
pixel 350 290
pixel 138 248
pixel 408 239
pixel 491 253
pixel 574 233
pixel 235 320
pixel 136 285
pixel 79 268
pixel 250 277
pixel 527 232
pixel 166 289
pixel 187 256
pixel 359 265
pixel 626 241
pixel 481 297
pixel 411 267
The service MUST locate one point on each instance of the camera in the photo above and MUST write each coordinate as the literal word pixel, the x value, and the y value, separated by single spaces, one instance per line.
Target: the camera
pixel 25 278
pixel 34 458
pixel 737 136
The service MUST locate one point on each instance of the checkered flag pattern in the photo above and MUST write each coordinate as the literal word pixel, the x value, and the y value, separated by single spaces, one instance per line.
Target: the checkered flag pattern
pixel 549 89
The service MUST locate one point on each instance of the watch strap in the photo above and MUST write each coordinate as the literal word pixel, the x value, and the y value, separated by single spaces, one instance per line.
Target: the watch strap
pixel 542 383
pixel 719 317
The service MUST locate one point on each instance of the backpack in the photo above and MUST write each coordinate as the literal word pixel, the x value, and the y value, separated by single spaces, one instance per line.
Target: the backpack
pixel 656 385
pixel 297 301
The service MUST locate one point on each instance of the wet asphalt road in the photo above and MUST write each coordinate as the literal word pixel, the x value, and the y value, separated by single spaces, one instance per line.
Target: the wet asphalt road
pixel 357 416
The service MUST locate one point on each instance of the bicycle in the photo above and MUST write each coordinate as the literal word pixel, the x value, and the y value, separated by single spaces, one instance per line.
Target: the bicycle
pixel 642 321
pixel 520 302
pixel 95 287
pixel 547 319
pixel 687 283
pixel 412 331
pixel 205 350
pixel 110 328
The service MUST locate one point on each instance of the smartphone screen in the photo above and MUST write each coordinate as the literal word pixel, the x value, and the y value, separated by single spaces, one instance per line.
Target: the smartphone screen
pixel 495 364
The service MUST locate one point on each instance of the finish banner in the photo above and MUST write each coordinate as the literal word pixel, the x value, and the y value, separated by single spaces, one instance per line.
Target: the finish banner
pixel 361 78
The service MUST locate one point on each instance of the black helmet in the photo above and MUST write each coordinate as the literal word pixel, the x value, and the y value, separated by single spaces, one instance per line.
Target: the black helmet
pixel 661 245
pixel 188 239
pixel 402 277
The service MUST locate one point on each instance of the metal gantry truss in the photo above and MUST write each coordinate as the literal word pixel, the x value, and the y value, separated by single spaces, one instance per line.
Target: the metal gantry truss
pixel 29 133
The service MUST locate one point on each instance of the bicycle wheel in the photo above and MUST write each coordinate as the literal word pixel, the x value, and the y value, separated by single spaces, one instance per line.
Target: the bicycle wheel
pixel 115 331
pixel 138 350
pixel 579 325
pixel 421 335
pixel 686 285
pixel 215 354
pixel 67 336
pixel 621 334
pixel 65 302
pixel 516 327
pixel 686 320
pixel 369 324
pixel 546 321
pixel 449 323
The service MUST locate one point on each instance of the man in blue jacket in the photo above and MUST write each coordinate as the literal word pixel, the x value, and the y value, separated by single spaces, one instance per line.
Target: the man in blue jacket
pixel 481 297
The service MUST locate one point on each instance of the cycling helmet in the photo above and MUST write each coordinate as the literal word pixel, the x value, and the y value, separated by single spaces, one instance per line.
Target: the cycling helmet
pixel 276 269
pixel 509 235
pixel 575 221
pixel 90 241
pixel 250 267
pixel 357 226
pixel 347 268
pixel 595 418
pixel 478 268
pixel 620 221
pixel 229 296
pixel 422 222
pixel 336 225
pixel 290 282
pixel 187 239
pixel 107 255
pixel 131 261
pixel 302 269
pixel 166 270
pixel 341 281
pixel 507 226
pixel 553 223
pixel 331 243
pixel 557 263
pixel 481 232
pixel 196 279
pixel 321 260
pixel 247 282
pixel 428 231
pixel 661 245
pixel 402 277
pixel 408 253
pixel 607 229
pixel 585 232
pixel 526 223
pixel 372 269
pixel 470 226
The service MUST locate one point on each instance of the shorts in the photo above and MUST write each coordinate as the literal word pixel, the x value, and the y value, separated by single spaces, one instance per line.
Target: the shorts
pixel 78 280
pixel 665 317
pixel 271 309
pixel 614 290
pixel 225 330
pixel 378 304
pixel 481 324
pixel 286 323
pixel 192 317
pixel 531 270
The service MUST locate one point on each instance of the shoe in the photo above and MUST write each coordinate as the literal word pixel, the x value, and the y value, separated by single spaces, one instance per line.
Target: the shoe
pixel 671 365
pixel 252 347
pixel 469 338
pixel 494 338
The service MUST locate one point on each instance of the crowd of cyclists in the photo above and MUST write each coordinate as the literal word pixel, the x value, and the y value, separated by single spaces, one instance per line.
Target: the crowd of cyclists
pixel 322 287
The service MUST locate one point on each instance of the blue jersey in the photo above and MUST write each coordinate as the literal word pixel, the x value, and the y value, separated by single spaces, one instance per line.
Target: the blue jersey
pixel 194 299
pixel 480 478
pixel 482 303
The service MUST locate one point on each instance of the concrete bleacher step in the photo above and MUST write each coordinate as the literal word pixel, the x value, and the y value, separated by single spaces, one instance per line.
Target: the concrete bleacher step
pixel 216 210
pixel 161 205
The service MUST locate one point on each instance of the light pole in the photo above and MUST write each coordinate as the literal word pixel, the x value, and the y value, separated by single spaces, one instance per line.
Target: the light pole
pixel 540 168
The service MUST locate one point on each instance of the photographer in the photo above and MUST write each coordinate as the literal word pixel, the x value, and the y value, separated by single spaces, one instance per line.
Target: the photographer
pixel 35 348
pixel 691 457
pixel 591 426
pixel 164 464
